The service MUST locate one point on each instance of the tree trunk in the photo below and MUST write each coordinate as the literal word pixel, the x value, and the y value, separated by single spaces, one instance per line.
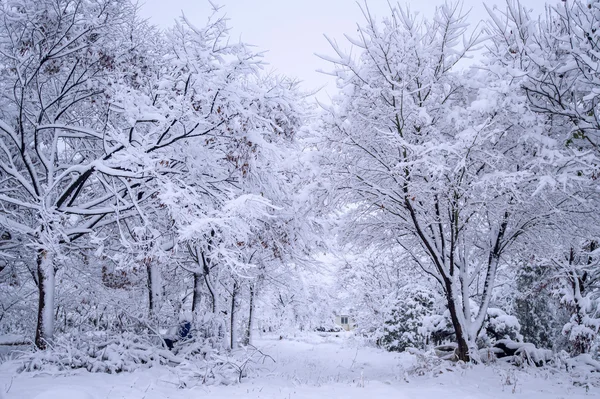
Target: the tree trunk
pixel 197 294
pixel 233 337
pixel 213 297
pixel 45 322
pixel 461 339
pixel 154 286
pixel 248 334
pixel 206 267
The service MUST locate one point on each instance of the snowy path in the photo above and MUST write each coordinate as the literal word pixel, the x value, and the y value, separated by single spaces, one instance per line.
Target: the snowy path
pixel 305 368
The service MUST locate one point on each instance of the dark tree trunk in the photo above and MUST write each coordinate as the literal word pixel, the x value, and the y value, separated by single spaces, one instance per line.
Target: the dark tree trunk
pixel 45 320
pixel 197 294
pixel 213 298
pixel 206 268
pixel 463 347
pixel 150 293
pixel 232 315
pixel 250 315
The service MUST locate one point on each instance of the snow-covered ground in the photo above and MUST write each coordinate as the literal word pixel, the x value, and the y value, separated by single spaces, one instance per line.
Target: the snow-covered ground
pixel 307 366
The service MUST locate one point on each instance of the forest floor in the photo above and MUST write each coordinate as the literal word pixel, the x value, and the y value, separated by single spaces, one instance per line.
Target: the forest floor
pixel 309 366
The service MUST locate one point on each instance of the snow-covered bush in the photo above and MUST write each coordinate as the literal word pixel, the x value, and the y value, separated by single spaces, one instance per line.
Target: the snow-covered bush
pixel 577 274
pixel 584 369
pixel 520 353
pixel 501 325
pixel 210 329
pixel 405 321
pixel 497 326
pixel 537 310
pixel 98 353
pixel 195 361
pixel 430 363
pixel 582 333
pixel 438 329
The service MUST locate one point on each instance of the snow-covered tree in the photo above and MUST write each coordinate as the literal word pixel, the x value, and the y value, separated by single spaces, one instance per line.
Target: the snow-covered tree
pixel 554 61
pixel 114 134
pixel 439 162
pixel 231 195
pixel 578 276
pixel 61 177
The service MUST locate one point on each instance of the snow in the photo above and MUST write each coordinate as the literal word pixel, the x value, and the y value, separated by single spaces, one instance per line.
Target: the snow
pixel 12 339
pixel 313 365
pixel 64 393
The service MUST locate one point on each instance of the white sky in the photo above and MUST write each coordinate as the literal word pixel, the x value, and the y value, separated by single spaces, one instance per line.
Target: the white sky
pixel 292 30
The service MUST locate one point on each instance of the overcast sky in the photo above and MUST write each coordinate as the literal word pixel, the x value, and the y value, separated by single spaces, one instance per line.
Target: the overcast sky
pixel 292 30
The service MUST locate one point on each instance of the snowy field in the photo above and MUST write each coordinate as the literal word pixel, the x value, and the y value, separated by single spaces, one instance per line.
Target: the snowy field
pixel 309 366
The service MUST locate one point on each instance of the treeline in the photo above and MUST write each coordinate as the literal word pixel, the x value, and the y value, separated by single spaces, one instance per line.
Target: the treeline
pixel 145 174
pixel 148 174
